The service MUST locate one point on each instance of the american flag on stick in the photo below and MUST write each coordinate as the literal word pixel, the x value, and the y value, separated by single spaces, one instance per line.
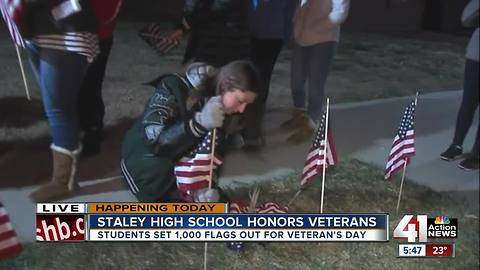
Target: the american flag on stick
pixel 264 208
pixel 314 161
pixel 9 245
pixel 403 146
pixel 156 37
pixel 13 10
pixel 193 170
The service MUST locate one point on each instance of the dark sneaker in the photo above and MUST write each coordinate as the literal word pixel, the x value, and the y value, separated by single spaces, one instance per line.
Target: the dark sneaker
pixel 470 163
pixel 453 152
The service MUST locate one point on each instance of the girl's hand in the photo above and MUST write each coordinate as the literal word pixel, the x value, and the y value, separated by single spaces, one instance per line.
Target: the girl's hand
pixel 212 114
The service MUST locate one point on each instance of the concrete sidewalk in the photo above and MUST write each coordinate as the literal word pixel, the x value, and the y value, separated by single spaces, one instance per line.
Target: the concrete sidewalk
pixel 365 131
pixel 362 130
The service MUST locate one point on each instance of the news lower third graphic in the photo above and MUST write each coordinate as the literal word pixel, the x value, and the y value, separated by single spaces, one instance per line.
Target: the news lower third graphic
pixel 421 231
pixel 177 222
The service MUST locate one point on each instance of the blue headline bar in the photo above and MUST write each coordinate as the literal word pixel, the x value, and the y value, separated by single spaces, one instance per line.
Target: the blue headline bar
pixel 240 221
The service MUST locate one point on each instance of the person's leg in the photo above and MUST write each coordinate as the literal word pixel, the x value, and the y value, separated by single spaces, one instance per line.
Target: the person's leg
pixel 299 70
pixel 264 55
pixel 466 112
pixel 91 108
pixel 299 74
pixel 475 149
pixel 319 59
pixel 472 159
pixel 470 103
pixel 319 65
pixel 60 75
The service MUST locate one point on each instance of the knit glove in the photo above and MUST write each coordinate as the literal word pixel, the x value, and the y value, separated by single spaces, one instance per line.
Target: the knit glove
pixel 212 114
pixel 206 195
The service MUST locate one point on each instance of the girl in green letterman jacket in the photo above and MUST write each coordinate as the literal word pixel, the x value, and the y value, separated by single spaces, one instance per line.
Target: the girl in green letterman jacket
pixel 182 109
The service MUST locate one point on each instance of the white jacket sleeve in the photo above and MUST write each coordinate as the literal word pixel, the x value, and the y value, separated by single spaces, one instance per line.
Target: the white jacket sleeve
pixel 470 13
pixel 339 11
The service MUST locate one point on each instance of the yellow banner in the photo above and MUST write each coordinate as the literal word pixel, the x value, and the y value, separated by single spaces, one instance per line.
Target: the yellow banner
pixel 148 208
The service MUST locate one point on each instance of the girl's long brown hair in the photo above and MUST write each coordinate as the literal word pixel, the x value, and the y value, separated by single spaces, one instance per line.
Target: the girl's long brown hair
pixel 240 74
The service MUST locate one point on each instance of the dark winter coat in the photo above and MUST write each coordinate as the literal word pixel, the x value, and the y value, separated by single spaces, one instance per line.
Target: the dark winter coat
pixel 164 132
pixel 271 19
pixel 219 31
pixel 39 19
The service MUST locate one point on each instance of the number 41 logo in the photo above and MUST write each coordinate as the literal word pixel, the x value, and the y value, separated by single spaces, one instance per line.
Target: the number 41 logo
pixel 412 228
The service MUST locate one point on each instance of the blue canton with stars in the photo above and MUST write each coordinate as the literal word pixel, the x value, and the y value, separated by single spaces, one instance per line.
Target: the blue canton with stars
pixel 320 135
pixel 407 120
pixel 205 147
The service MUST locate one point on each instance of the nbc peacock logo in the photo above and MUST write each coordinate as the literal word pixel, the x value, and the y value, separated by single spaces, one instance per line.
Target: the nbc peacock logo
pixel 442 220
pixel 442 227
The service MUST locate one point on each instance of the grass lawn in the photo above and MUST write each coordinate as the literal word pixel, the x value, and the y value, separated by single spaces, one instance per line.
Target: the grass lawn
pixel 351 187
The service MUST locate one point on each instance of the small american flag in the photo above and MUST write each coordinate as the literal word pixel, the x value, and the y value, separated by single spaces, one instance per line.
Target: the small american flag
pixel 193 170
pixel 12 12
pixel 9 246
pixel 403 146
pixel 314 160
pixel 265 208
pixel 156 37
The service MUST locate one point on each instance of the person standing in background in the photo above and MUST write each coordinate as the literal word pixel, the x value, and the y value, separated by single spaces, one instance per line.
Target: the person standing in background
pixel 218 31
pixel 470 97
pixel 270 24
pixel 61 41
pixel 316 28
pixel 91 108
pixel 218 34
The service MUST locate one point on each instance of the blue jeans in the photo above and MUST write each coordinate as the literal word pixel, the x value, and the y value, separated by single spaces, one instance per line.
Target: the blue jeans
pixel 311 63
pixel 59 75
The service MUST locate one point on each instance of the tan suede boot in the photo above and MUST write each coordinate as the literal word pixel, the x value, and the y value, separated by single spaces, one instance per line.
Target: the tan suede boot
pixel 302 133
pixel 63 177
pixel 299 118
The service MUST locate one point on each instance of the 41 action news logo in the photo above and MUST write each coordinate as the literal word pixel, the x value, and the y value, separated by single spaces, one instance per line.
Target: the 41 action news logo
pixel 422 228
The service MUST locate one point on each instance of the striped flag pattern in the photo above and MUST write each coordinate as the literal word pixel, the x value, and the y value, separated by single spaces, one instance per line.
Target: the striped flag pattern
pixel 264 208
pixel 10 8
pixel 403 146
pixel 193 170
pixel 9 245
pixel 156 37
pixel 314 161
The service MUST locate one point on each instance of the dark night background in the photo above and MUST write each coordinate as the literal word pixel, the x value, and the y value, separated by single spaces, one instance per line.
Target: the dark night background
pixel 400 16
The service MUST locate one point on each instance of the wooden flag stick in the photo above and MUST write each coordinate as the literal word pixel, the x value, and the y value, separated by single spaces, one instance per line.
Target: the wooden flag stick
pixel 205 256
pixel 210 180
pixel 294 197
pixel 214 138
pixel 401 185
pixel 23 72
pixel 324 157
